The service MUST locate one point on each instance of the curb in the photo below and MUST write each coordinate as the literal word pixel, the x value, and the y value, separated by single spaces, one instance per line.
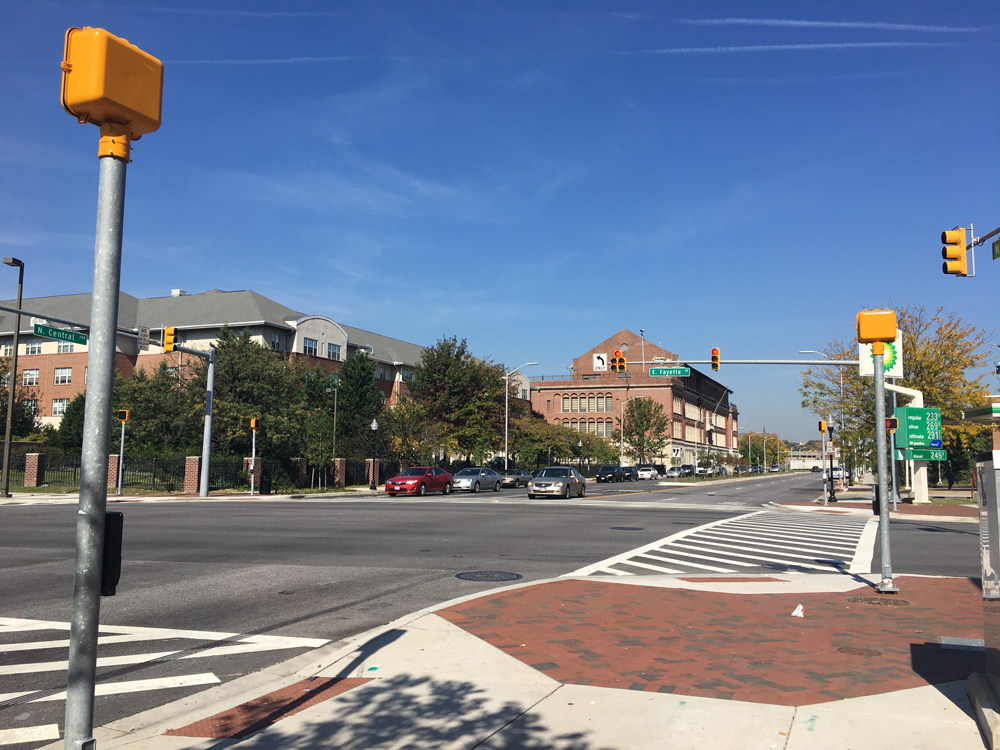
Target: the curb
pixel 893 515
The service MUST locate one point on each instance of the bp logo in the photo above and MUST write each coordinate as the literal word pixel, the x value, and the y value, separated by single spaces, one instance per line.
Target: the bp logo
pixel 892 359
pixel 889 357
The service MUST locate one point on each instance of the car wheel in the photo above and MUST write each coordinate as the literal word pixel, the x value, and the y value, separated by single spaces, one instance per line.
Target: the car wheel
pixel 566 492
pixel 423 490
pixel 583 491
pixel 447 489
pixel 496 487
pixel 530 496
pixel 475 487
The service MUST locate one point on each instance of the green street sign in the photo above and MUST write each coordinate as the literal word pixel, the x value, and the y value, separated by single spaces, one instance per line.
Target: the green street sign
pixel 669 372
pixel 60 334
pixel 918 428
pixel 923 454
pixel 996 249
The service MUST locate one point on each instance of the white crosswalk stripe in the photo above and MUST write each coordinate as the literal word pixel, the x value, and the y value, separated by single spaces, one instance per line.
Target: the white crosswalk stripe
pixel 759 541
pixel 20 643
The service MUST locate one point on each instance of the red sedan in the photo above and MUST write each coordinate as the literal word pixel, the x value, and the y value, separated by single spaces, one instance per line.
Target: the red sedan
pixel 419 480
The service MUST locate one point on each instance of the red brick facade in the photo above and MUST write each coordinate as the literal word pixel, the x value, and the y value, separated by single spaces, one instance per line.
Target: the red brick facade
pixel 591 399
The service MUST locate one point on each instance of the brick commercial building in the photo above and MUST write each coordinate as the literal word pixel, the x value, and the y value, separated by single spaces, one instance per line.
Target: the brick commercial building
pixel 54 372
pixel 590 400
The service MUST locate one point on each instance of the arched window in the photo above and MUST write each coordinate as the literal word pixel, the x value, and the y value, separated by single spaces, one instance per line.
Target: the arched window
pixel 575 402
pixel 609 427
pixel 600 429
pixel 592 427
pixel 591 403
pixel 573 425
pixel 565 402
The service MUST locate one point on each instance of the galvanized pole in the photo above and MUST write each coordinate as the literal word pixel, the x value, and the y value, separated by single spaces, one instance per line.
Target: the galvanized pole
pixel 82 668
pixel 121 458
pixel 10 383
pixel 886 586
pixel 253 461
pixel 206 441
pixel 892 452
pixel 822 461
pixel 506 417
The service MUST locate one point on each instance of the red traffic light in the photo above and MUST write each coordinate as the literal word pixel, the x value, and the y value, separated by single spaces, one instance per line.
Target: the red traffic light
pixel 618 354
pixel 715 352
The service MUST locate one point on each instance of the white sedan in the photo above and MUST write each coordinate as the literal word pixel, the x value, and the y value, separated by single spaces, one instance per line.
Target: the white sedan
pixel 648 472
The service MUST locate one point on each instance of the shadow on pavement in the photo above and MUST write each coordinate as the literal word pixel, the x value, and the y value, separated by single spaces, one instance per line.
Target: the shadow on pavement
pixel 419 712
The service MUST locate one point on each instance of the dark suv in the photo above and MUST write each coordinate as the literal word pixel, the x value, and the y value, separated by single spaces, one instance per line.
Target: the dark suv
pixel 632 473
pixel 611 474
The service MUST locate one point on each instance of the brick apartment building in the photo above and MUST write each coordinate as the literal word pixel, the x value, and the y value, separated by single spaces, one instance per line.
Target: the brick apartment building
pixel 54 372
pixel 591 399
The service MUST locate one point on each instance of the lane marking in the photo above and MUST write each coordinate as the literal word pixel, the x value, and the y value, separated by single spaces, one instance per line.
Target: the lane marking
pixel 657 568
pixel 130 686
pixel 728 536
pixel 29 734
pixel 745 556
pixel 862 562
pixel 688 564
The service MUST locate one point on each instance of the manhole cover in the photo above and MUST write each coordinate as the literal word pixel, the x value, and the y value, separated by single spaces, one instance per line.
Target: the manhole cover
pixel 878 601
pixel 627 528
pixel 488 575
pixel 855 651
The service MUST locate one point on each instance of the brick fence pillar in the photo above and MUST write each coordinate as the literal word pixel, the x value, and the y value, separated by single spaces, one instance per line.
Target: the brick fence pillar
pixel 34 469
pixel 369 473
pixel 192 474
pixel 339 472
pixel 113 471
pixel 258 465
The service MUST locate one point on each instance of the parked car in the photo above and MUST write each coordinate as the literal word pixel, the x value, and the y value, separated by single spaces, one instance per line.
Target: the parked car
pixel 741 469
pixel 475 479
pixel 721 471
pixel 775 467
pixel 419 480
pixel 815 470
pixel 703 471
pixel 561 481
pixel 631 473
pixel 515 478
pixel 648 472
pixel 688 470
pixel 496 464
pixel 613 473
pixel 674 472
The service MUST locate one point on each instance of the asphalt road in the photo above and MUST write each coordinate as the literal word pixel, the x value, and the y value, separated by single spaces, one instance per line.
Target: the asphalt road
pixel 329 568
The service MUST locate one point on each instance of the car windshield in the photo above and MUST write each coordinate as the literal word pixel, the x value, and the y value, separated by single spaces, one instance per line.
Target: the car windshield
pixel 468 473
pixel 414 472
pixel 554 473
pixel 607 468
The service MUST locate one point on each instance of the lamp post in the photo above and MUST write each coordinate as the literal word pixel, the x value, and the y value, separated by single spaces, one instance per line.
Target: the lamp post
pixel 506 412
pixel 13 263
pixel 579 445
pixel 374 434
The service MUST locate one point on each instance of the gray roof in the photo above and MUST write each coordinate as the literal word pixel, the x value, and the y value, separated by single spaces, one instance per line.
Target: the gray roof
pixel 68 307
pixel 385 349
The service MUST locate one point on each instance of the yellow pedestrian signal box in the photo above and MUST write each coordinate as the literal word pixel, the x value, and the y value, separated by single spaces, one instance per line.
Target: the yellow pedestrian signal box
pixel 715 358
pixel 618 363
pixel 891 424
pixel 123 415
pixel 254 424
pixel 953 252
pixel 169 338
pixel 822 425
pixel 105 79
pixel 876 326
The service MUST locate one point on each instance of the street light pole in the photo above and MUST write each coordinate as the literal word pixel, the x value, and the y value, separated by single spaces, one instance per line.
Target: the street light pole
pixel 506 412
pixel 374 434
pixel 11 375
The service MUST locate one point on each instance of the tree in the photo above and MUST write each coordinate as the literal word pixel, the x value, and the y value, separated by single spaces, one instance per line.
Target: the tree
pixel 69 437
pixel 359 403
pixel 159 422
pixel 646 429
pixel 24 421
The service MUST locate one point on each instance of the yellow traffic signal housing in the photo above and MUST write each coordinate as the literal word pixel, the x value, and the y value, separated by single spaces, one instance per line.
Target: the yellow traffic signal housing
pixel 617 362
pixel 123 415
pixel 254 424
pixel 715 358
pixel 622 364
pixel 891 424
pixel 822 425
pixel 953 252
pixel 106 79
pixel 169 338
pixel 876 325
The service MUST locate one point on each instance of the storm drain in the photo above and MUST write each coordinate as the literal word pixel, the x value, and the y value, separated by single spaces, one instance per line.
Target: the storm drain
pixel 878 601
pixel 627 528
pixel 488 575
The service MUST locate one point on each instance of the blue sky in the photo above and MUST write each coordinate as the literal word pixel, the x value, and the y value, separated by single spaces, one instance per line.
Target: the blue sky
pixel 532 176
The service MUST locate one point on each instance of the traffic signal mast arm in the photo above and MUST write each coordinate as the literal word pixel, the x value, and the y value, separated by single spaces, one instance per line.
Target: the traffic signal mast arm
pixel 841 362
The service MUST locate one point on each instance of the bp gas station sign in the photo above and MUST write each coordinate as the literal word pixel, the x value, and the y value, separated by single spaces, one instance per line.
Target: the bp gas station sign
pixel 918 428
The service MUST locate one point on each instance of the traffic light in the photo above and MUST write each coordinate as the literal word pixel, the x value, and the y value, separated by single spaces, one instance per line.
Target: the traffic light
pixel 618 363
pixel 822 425
pixel 254 424
pixel 169 338
pixel 953 252
pixel 891 424
pixel 715 358
pixel 123 415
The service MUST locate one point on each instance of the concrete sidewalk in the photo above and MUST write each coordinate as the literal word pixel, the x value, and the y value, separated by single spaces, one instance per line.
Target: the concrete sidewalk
pixel 619 662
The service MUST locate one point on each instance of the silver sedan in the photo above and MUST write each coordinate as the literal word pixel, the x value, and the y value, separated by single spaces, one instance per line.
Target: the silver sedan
pixel 560 481
pixel 476 479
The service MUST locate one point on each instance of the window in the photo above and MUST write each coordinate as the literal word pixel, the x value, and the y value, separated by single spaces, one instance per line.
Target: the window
pixel 64 375
pixel 275 342
pixel 59 406
pixel 29 377
pixel 678 430
pixel 574 425
pixel 64 347
pixel 333 352
pixel 591 427
pixel 381 372
pixel 407 375
pixel 8 350
pixel 33 346
pixel 548 405
pixel 309 347
pixel 32 406
pixel 609 427
pixel 565 403
pixel 600 429
pixel 524 394
pixel 591 401
pixel 583 403
pixel 600 403
pixel 678 406
pixel 575 403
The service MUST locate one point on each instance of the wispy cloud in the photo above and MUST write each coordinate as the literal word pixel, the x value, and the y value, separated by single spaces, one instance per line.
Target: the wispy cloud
pixel 782 48
pixel 795 23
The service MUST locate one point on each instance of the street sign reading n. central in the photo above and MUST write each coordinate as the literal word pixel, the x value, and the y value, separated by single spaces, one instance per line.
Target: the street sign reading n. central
pixel 918 428
pixel 669 372
pixel 60 334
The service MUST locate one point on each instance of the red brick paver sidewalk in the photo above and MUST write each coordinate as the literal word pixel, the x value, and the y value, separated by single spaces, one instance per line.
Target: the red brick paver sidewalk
pixel 738 646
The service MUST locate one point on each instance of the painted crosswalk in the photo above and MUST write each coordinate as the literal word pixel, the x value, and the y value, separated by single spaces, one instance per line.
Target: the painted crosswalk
pixel 32 654
pixel 761 541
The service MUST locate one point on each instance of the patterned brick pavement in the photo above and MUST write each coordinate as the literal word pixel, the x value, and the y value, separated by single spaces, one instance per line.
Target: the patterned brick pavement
pixel 734 646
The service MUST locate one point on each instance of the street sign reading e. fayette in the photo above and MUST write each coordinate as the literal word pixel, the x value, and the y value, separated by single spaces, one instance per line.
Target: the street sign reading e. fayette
pixel 60 334
pixel 669 372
